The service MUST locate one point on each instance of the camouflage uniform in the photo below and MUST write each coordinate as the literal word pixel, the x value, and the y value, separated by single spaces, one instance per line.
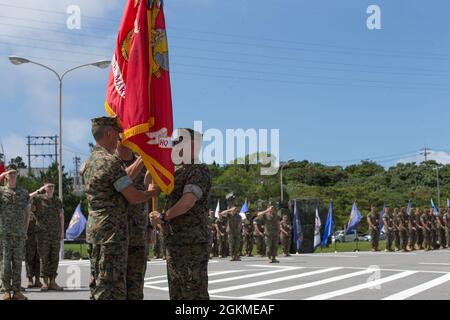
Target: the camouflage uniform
pixel 440 229
pixel 374 222
pixel 403 219
pixel 389 230
pixel 412 232
pixel 48 233
pixel 32 261
pixel 214 245
pixel 157 244
pixel 397 230
pixel 248 235
pixel 419 231
pixel 433 233
pixel 137 245
pixel 234 223
pixel 107 227
pixel 271 233
pixel 222 239
pixel 447 227
pixel 187 237
pixel 259 239
pixel 286 239
pixel 13 203
pixel 426 229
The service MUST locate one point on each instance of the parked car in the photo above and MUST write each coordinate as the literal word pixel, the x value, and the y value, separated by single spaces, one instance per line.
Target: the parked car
pixel 340 236
pixel 382 236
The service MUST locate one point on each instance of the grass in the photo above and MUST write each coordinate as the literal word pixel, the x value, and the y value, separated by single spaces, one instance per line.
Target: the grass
pixel 340 247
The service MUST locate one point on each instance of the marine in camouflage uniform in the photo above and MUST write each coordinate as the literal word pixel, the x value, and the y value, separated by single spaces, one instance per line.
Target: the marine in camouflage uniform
pixel 412 231
pixel 157 245
pixel 286 234
pixel 137 230
pixel 32 262
pixel 389 229
pixel 259 237
pixel 234 224
pixel 271 222
pixel 403 225
pixel 440 229
pixel 186 233
pixel 108 191
pixel 14 218
pixel 212 227
pixel 418 216
pixel 222 237
pixel 447 227
pixel 247 227
pixel 433 233
pixel 48 212
pixel 425 220
pixel 397 229
pixel 374 222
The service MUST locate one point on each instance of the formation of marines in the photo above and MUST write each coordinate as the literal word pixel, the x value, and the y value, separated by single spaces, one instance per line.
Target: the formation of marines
pixel 409 230
pixel 236 234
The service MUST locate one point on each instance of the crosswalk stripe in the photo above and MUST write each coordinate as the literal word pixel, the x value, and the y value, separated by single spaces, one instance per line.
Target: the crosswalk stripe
pixel 366 285
pixel 418 289
pixel 209 275
pixel 255 275
pixel 307 285
pixel 264 282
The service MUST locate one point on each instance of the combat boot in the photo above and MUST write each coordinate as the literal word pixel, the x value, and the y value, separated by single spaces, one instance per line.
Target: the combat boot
pixel 19 296
pixel 54 286
pixel 45 284
pixel 274 260
pixel 37 283
pixel 30 283
pixel 6 296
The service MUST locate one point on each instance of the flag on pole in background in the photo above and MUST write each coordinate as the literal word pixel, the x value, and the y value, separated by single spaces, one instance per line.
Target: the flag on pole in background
pixel 381 217
pixel 448 203
pixel 216 213
pixel 435 210
pixel 138 91
pixel 317 226
pixel 244 209
pixel 355 219
pixel 77 224
pixel 329 225
pixel 2 167
pixel 409 208
pixel 297 228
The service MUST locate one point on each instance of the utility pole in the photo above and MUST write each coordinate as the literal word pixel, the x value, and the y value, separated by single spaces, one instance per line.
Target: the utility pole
pixel 438 185
pixel 77 162
pixel 38 146
pixel 425 152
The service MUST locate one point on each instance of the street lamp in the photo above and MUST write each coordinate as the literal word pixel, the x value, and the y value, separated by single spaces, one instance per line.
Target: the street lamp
pixel 438 184
pixel 281 177
pixel 99 64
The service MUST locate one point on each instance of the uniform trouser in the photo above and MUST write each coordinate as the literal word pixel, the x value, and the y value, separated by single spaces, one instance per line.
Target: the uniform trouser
pixel 420 238
pixel 108 271
pixel 426 238
pixel 412 238
pixel 187 271
pixel 241 244
pixel 157 246
pixel 32 261
pixel 447 233
pixel 234 242
pixel 272 242
pixel 389 240
pixel 48 251
pixel 248 244
pixel 223 245
pixel 397 239
pixel 403 239
pixel 12 252
pixel 136 267
pixel 286 242
pixel 433 238
pixel 442 237
pixel 374 239
pixel 214 245
pixel 260 245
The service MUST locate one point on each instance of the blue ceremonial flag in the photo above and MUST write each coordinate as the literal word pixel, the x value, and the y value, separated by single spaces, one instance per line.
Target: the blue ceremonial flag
pixel 317 226
pixel 435 210
pixel 329 225
pixel 297 228
pixel 355 219
pixel 448 203
pixel 76 225
pixel 381 217
pixel 244 209
pixel 409 208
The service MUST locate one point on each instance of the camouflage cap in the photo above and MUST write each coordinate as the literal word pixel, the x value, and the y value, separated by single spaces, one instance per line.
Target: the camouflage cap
pixel 11 168
pixel 106 122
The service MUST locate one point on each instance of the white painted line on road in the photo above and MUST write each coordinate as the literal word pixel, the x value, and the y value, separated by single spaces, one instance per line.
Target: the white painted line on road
pixel 325 255
pixel 435 264
pixel 270 281
pixel 254 275
pixel 273 266
pixel 307 285
pixel 152 278
pixel 359 287
pixel 420 288
pixel 209 275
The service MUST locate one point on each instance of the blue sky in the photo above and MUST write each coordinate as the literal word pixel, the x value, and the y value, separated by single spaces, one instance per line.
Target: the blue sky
pixel 338 92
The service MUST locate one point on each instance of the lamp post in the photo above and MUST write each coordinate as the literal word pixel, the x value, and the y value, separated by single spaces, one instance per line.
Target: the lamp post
pixel 438 184
pixel 281 177
pixel 99 64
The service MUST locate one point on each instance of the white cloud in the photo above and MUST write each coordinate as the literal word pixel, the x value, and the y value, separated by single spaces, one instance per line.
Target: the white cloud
pixel 14 145
pixel 439 156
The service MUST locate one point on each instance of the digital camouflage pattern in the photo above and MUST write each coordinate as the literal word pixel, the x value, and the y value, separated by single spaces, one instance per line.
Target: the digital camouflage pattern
pixel 248 235
pixel 259 238
pixel 13 203
pixel 136 268
pixel 32 262
pixel 234 233
pixel 214 244
pixel 374 220
pixel 271 224
pixel 426 230
pixel 389 230
pixel 286 239
pixel 222 237
pixel 412 232
pixel 403 225
pixel 187 237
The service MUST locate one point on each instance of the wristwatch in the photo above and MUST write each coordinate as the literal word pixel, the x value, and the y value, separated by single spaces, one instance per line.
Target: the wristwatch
pixel 162 217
